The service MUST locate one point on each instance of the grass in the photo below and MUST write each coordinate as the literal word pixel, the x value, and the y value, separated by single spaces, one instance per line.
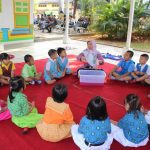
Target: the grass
pixel 143 46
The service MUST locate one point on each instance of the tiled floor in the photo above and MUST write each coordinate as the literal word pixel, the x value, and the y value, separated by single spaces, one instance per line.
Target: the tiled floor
pixel 39 50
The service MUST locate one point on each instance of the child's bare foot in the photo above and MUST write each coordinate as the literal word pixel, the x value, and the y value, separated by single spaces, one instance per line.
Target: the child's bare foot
pixel 51 81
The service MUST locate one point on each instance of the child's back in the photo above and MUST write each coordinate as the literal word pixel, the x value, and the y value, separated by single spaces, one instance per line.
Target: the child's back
pixel 132 129
pixel 58 118
pixel 135 129
pixel 94 129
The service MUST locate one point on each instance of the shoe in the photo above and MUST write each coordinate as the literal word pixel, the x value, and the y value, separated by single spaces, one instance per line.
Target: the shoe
pixel 25 130
pixel 32 82
pixel 38 81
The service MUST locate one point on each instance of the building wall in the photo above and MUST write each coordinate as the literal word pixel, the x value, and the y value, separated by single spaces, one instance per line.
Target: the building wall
pixel 7 20
pixel 7 15
pixel 49 8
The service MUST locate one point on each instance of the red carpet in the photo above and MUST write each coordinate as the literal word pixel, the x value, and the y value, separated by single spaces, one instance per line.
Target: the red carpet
pixel 113 92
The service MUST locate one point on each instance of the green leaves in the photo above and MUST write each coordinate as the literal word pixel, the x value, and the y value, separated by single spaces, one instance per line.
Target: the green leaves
pixel 113 18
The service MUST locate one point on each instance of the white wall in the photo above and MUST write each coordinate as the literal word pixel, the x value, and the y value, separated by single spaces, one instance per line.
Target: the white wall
pixel 7 14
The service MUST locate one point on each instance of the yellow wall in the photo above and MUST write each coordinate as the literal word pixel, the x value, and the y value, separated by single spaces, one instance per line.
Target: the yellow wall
pixel 49 7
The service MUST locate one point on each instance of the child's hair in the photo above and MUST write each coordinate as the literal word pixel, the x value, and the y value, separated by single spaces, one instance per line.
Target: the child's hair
pixel 145 56
pixel 27 58
pixel 59 93
pixel 4 56
pixel 96 109
pixel 131 53
pixel 16 84
pixel 134 104
pixel 59 50
pixel 51 52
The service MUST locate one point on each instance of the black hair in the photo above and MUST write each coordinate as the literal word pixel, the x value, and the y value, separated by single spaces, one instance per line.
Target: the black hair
pixel 88 42
pixel 59 93
pixel 16 84
pixel 59 50
pixel 145 56
pixel 4 56
pixel 27 58
pixel 131 53
pixel 96 109
pixel 134 104
pixel 51 52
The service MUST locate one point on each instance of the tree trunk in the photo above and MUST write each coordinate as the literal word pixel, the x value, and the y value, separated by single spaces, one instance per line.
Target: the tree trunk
pixel 75 8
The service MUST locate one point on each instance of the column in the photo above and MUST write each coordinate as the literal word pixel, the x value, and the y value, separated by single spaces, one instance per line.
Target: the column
pixel 66 37
pixel 130 24
pixel 61 5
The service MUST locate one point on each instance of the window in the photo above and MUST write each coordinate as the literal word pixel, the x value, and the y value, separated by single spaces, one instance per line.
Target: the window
pixel 54 5
pixel 0 5
pixel 21 6
pixel 42 5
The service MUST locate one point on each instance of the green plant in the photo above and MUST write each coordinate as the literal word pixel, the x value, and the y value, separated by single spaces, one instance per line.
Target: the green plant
pixel 113 18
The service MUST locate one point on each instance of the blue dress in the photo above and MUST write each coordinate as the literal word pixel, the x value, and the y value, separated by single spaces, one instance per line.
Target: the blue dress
pixel 51 66
pixel 135 129
pixel 126 66
pixel 94 131
pixel 63 64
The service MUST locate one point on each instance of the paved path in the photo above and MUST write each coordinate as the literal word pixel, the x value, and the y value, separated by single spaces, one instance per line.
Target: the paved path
pixel 39 50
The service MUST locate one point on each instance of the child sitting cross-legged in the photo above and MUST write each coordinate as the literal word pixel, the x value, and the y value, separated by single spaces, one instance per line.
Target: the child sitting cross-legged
pixel 141 71
pixel 29 71
pixel 94 130
pixel 7 69
pixel 24 114
pixel 51 72
pixel 124 67
pixel 132 129
pixel 58 119
pixel 62 61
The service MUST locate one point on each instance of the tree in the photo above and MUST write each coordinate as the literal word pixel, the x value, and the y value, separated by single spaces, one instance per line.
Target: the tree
pixel 75 7
pixel 113 18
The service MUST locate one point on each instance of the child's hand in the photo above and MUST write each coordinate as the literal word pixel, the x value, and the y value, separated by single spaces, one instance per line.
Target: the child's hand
pixel 100 62
pixel 137 72
pixel 63 74
pixel 141 73
pixel 144 111
pixel 33 103
pixel 118 77
pixel 8 78
pixel 38 76
pixel 83 59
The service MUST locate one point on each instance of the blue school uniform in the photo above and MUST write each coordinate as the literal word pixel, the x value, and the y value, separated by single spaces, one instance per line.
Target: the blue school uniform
pixel 142 69
pixel 63 64
pixel 126 66
pixel 51 66
pixel 94 131
pixel 135 129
